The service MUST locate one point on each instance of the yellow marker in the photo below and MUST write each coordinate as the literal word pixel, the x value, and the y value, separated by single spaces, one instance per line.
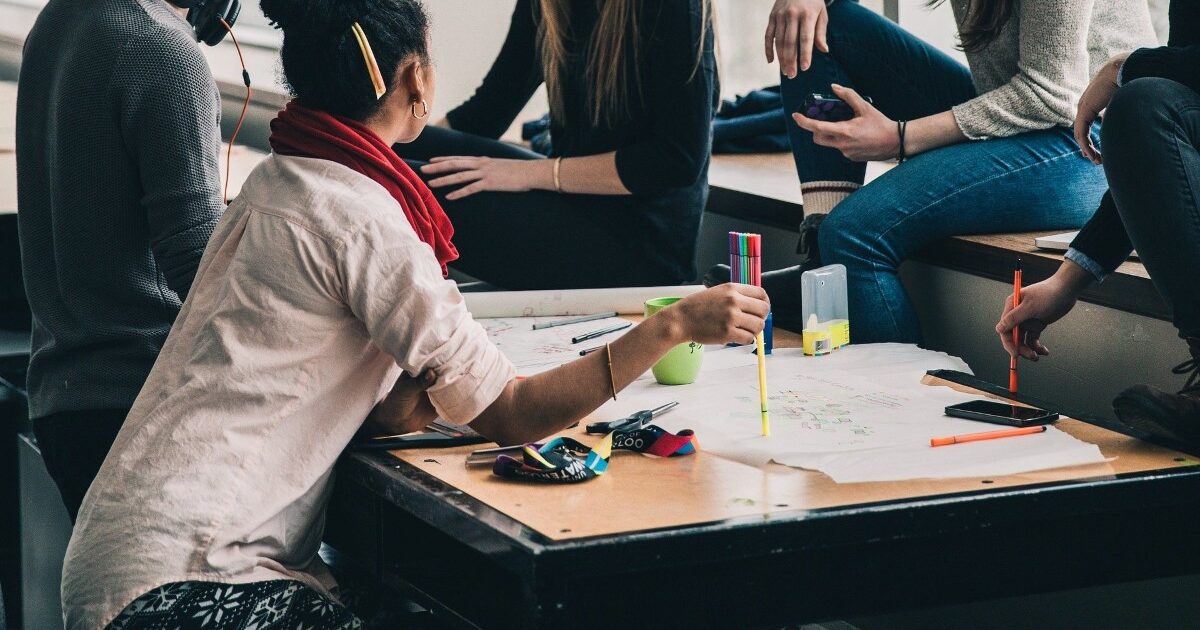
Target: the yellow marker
pixel 762 383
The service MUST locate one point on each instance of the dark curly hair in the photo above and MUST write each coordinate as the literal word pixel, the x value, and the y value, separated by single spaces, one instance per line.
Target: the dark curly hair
pixel 322 64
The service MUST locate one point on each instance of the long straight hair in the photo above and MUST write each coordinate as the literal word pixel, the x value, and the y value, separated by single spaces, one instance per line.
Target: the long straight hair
pixel 983 22
pixel 613 56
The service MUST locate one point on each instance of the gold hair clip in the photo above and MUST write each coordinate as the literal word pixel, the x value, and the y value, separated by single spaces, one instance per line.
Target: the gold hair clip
pixel 369 58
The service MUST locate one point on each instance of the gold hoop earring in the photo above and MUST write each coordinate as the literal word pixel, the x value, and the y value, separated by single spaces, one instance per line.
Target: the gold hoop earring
pixel 424 109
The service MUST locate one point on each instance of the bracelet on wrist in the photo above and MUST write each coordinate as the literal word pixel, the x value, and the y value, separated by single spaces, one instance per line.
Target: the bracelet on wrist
pixel 901 127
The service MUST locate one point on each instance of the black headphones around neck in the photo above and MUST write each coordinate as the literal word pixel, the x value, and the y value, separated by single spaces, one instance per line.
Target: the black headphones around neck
pixel 205 17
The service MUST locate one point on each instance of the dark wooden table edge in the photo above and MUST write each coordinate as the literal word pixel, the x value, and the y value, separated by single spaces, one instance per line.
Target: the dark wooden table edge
pixel 1146 516
pixel 488 530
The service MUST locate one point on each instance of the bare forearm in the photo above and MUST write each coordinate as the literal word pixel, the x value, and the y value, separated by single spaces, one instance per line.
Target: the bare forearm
pixel 549 402
pixel 931 132
pixel 586 175
pixel 592 175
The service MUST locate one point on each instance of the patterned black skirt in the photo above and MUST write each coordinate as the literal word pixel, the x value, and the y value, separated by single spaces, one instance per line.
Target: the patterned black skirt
pixel 273 605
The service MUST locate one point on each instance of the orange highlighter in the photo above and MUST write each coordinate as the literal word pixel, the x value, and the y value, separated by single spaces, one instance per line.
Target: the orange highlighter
pixel 1016 333
pixel 986 435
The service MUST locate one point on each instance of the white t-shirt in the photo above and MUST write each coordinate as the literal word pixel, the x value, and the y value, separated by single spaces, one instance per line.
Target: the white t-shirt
pixel 313 295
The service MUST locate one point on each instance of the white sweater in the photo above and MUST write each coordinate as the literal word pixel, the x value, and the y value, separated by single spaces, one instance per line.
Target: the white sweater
pixel 1032 75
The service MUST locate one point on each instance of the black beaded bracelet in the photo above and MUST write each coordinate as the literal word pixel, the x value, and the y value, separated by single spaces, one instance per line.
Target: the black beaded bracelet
pixel 901 125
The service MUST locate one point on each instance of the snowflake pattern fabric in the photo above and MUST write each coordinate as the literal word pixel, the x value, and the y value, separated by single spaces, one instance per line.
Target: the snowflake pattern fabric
pixel 273 605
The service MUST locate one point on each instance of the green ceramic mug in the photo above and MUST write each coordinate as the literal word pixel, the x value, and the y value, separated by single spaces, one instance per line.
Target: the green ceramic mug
pixel 681 365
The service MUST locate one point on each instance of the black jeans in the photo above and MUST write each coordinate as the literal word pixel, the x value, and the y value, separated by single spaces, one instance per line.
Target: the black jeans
pixel 536 239
pixel 73 445
pixel 1151 151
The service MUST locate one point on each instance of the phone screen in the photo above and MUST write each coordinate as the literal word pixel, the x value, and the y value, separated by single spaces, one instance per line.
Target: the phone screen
pixel 992 408
pixel 826 108
pixel 1001 413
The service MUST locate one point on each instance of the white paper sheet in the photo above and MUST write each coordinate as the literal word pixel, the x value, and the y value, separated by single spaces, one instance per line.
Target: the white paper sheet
pixel 535 351
pixel 991 458
pixel 626 301
pixel 860 414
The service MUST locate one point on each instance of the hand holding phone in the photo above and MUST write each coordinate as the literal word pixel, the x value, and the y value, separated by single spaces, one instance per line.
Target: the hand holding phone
pixel 827 108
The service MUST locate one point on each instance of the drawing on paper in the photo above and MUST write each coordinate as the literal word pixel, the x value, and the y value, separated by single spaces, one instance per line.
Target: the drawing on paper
pixel 807 411
pixel 534 351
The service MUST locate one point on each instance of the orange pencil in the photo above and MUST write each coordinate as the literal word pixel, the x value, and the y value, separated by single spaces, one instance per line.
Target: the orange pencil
pixel 1012 361
pixel 986 435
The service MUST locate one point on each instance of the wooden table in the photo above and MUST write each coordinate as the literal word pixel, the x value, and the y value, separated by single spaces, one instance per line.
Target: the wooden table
pixel 703 541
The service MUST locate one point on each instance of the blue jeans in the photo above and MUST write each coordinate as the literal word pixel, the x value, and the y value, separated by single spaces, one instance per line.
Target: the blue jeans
pixel 1032 181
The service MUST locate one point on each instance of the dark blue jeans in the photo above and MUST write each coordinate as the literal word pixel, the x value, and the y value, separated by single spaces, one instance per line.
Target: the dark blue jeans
pixel 1032 181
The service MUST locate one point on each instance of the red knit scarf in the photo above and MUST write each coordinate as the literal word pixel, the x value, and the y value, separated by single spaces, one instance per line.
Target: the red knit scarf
pixel 305 132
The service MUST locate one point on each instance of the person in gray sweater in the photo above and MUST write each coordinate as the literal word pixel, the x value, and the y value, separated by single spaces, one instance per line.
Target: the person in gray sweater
pixel 118 192
pixel 983 149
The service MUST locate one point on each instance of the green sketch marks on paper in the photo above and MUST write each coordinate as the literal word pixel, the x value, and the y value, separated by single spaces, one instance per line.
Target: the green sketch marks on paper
pixel 807 411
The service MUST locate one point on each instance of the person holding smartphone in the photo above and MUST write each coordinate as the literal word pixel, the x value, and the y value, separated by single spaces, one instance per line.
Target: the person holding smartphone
pixel 1151 157
pixel 983 149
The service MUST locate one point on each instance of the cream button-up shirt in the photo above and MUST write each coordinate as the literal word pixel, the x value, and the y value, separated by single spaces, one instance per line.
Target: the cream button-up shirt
pixel 313 296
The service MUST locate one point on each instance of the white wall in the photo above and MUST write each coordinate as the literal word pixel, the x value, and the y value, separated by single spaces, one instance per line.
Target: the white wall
pixel 467 34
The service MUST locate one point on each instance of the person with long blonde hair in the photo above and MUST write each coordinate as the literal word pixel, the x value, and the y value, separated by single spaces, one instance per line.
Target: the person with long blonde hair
pixel 632 86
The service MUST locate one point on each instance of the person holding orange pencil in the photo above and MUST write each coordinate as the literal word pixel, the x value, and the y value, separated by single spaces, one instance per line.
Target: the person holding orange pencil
pixel 1151 157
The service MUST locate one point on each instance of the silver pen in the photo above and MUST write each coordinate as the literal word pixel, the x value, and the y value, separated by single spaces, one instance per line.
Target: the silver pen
pixel 574 320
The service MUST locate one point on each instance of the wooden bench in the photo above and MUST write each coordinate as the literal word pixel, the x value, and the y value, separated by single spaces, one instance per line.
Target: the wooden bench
pixel 762 189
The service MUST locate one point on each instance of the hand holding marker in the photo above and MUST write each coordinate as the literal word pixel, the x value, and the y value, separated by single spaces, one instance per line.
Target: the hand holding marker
pixel 745 261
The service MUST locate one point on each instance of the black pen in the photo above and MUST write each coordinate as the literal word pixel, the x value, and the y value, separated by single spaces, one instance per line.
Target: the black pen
pixel 601 332
pixel 584 353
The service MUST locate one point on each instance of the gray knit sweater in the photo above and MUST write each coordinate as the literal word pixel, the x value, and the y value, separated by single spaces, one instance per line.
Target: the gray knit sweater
pixel 1032 75
pixel 118 192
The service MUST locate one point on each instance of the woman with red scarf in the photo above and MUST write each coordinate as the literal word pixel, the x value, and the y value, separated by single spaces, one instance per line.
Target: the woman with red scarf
pixel 321 302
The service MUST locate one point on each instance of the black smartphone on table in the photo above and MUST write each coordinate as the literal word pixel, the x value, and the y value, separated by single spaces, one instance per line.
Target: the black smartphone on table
pixel 827 108
pixel 1001 413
